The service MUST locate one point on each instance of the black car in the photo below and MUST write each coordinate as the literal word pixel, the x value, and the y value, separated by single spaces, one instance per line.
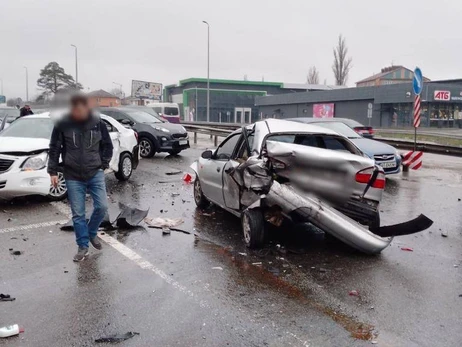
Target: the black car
pixel 154 135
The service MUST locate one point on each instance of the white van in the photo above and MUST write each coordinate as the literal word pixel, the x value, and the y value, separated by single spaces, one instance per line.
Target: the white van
pixel 168 111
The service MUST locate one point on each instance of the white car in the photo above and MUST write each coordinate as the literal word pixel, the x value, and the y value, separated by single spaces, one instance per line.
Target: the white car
pixel 24 156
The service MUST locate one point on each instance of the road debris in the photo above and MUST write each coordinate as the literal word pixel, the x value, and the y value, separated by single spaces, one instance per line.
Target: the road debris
pixel 353 293
pixel 15 252
pixel 171 173
pixel 243 254
pixel 259 263
pixel 187 178
pixel 217 268
pixel 10 330
pixel 160 222
pixel 444 233
pixel 407 249
pixel 130 217
pixel 166 231
pixel 116 338
pixel 6 297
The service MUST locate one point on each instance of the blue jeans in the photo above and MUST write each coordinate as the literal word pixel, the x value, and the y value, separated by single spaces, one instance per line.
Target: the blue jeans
pixel 76 191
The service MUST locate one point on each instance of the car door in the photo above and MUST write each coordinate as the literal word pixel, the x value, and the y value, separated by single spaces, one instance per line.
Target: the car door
pixel 211 170
pixel 231 190
pixel 114 134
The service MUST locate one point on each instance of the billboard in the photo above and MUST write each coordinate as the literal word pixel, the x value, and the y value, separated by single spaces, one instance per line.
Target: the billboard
pixel 323 110
pixel 146 90
pixel 2 99
pixel 442 95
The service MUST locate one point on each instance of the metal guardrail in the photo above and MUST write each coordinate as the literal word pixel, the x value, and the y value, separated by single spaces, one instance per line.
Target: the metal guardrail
pixel 216 130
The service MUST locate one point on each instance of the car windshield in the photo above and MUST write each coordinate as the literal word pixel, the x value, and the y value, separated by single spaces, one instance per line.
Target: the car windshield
pixel 171 111
pixel 30 128
pixel 340 128
pixel 142 117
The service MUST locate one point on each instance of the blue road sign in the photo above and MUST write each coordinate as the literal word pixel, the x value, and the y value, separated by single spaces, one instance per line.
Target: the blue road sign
pixel 2 99
pixel 417 82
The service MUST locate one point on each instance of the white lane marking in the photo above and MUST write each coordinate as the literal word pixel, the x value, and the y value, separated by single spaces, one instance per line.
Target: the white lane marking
pixel 146 265
pixel 32 226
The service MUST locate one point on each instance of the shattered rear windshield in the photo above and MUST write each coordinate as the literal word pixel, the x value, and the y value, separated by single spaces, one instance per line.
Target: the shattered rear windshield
pixel 315 140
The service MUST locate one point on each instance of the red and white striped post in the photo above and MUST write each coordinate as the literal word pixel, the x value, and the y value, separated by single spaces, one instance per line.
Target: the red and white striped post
pixel 417 108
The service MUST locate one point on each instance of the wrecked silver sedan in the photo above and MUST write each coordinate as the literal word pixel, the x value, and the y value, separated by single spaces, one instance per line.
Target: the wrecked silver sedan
pixel 277 169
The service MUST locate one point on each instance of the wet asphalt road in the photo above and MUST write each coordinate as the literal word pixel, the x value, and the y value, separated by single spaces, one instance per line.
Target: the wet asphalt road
pixel 182 290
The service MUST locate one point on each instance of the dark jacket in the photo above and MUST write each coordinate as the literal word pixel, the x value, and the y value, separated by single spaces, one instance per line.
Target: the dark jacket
pixel 84 147
pixel 25 112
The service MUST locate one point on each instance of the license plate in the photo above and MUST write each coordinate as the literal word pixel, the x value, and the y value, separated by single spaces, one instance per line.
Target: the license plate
pixel 183 142
pixel 388 165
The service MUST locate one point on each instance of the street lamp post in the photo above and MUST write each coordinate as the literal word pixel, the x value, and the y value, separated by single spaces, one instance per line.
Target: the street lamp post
pixel 27 84
pixel 208 70
pixel 76 67
pixel 121 91
pixel 1 80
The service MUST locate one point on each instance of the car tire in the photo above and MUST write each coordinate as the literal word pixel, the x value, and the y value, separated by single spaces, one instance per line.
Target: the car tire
pixel 147 147
pixel 59 193
pixel 375 224
pixel 253 227
pixel 175 152
pixel 199 198
pixel 125 167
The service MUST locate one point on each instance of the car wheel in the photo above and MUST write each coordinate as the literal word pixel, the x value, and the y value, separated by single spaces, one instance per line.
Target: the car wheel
pixel 60 192
pixel 199 198
pixel 253 226
pixel 176 152
pixel 147 148
pixel 125 167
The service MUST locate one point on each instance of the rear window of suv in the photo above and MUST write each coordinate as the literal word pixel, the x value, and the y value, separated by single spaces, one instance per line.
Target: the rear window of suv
pixel 171 111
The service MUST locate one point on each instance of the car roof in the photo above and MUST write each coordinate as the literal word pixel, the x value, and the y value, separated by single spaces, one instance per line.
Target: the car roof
pixel 323 120
pixel 287 126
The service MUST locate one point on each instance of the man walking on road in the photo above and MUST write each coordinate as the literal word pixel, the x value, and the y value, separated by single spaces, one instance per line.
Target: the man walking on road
pixel 83 142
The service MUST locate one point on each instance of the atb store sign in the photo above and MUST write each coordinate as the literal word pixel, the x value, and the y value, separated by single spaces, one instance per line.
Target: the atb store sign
pixel 442 95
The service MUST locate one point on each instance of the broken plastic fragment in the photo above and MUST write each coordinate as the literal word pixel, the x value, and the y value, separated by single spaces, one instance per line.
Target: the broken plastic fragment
pixel 6 297
pixel 130 216
pixel 408 249
pixel 160 222
pixel 187 178
pixel 353 293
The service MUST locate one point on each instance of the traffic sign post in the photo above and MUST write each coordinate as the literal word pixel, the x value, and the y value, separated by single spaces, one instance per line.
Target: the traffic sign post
pixel 369 113
pixel 417 86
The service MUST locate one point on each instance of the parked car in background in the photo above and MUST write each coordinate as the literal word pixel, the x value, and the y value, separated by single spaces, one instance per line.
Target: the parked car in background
pixel 148 110
pixel 7 116
pixel 24 156
pixel 167 110
pixel 363 130
pixel 154 135
pixel 384 155
pixel 263 171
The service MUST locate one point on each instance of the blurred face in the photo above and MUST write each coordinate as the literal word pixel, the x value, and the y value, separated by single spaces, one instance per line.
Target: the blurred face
pixel 80 110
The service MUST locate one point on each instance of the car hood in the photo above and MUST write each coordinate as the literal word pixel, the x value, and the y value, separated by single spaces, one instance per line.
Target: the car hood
pixel 373 147
pixel 174 128
pixel 23 145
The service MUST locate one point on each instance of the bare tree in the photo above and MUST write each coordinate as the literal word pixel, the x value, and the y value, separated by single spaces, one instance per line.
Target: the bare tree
pixel 342 65
pixel 313 76
pixel 117 92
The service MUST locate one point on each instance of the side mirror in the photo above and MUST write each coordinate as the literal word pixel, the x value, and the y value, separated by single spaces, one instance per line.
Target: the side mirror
pixel 207 154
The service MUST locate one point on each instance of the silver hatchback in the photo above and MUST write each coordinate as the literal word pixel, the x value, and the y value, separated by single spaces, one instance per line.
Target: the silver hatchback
pixel 319 168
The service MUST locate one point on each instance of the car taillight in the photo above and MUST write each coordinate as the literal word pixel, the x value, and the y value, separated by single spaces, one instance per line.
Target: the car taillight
pixel 364 176
pixel 371 131
pixel 136 136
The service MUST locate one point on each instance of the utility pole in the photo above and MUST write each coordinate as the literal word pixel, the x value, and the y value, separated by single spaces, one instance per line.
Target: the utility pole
pixel 121 91
pixel 76 67
pixel 27 84
pixel 208 70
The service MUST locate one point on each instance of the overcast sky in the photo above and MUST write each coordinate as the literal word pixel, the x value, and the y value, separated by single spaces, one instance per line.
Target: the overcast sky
pixel 165 41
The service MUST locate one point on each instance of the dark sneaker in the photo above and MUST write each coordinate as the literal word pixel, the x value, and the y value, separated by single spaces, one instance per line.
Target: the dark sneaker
pixel 95 243
pixel 81 254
